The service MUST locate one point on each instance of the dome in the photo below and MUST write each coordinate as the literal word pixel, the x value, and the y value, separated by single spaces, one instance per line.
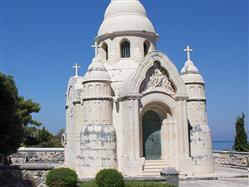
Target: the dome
pixel 125 15
pixel 189 67
pixel 192 78
pixel 118 7
pixel 97 71
pixel 190 73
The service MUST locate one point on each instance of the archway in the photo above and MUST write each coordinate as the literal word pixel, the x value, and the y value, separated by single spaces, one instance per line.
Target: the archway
pixel 151 125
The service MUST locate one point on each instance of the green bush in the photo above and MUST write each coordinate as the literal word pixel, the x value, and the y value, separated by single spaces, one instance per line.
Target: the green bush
pixel 109 178
pixel 88 184
pixel 61 177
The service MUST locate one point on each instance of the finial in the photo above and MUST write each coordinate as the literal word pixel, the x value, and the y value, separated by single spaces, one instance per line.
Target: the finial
pixel 76 67
pixel 188 50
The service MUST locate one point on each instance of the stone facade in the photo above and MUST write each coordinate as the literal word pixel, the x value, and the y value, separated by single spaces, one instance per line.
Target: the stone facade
pixel 133 110
pixel 228 158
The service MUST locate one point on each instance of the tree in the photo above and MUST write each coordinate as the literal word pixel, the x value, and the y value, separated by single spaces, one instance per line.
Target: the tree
pixel 58 137
pixel 240 142
pixel 36 137
pixel 15 114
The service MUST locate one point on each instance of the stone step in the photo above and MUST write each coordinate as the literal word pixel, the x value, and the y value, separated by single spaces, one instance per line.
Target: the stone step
pixel 153 170
pixel 154 161
pixel 147 173
pixel 159 166
pixel 153 167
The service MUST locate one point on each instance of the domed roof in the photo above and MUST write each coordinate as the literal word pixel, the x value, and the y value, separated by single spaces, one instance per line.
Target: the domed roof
pixel 125 15
pixel 97 71
pixel 190 73
pixel 192 78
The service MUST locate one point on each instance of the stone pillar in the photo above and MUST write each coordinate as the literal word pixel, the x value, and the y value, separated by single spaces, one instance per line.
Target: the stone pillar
pixel 130 163
pixel 98 136
pixel 200 134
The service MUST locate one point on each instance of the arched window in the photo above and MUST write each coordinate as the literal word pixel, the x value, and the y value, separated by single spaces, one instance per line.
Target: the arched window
pixel 105 49
pixel 146 47
pixel 125 49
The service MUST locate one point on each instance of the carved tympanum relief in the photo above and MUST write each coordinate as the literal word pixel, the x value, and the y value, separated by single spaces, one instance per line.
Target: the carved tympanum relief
pixel 157 79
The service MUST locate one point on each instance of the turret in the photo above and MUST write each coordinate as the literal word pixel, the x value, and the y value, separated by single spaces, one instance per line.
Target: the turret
pixel 200 135
pixel 73 118
pixel 97 138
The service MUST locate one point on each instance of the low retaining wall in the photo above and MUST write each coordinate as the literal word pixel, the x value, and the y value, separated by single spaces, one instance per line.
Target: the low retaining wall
pixel 230 158
pixel 38 155
pixel 24 176
pixel 30 166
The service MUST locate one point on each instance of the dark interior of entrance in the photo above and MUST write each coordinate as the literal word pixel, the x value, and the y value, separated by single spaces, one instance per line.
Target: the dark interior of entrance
pixel 151 135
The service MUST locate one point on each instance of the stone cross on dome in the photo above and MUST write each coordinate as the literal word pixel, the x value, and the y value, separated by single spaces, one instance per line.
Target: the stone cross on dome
pixel 188 50
pixel 76 67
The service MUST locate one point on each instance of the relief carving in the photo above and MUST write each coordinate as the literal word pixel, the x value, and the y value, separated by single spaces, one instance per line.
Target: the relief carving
pixel 156 78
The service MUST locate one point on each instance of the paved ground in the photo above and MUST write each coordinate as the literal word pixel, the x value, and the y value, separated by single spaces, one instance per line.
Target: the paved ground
pixel 225 182
pixel 225 177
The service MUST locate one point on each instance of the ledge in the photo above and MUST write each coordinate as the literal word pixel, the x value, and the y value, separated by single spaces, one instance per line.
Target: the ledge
pixel 31 166
pixel 231 152
pixel 23 149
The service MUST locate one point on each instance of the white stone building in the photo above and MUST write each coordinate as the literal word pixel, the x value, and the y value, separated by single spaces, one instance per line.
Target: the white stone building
pixel 132 110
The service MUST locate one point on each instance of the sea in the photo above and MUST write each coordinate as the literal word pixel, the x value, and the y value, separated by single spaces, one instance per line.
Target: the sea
pixel 223 145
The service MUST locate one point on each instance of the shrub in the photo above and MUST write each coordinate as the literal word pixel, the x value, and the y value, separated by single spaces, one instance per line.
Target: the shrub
pixel 109 178
pixel 61 177
pixel 88 184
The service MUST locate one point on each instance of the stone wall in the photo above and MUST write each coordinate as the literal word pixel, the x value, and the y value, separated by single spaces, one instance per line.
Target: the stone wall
pixel 38 155
pixel 24 176
pixel 229 158
pixel 30 166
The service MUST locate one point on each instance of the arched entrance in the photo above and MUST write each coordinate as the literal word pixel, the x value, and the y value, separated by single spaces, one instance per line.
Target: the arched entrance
pixel 151 125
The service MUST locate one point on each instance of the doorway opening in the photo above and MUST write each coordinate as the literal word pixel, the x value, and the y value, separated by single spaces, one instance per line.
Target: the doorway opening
pixel 151 128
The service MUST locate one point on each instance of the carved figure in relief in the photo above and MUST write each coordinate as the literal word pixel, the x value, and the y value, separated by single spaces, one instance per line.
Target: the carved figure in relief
pixel 159 80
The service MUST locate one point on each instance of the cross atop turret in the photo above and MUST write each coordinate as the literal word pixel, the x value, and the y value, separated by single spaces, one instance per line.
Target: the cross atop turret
pixel 188 50
pixel 76 67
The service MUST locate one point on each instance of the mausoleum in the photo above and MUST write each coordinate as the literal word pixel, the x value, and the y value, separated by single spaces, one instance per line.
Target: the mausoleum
pixel 133 110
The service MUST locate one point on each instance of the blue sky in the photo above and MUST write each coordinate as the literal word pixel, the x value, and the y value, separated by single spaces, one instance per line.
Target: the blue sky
pixel 42 39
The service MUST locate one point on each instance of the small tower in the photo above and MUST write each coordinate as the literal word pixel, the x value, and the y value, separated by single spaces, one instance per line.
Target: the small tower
pixel 97 137
pixel 73 118
pixel 200 135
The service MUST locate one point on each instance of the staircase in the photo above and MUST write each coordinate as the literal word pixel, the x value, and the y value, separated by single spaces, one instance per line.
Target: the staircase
pixel 153 167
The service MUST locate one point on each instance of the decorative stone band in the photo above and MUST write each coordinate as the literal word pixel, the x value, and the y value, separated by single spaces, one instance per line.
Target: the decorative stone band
pixel 197 99
pixel 81 101
pixel 181 97
pixel 129 96
pixel 127 33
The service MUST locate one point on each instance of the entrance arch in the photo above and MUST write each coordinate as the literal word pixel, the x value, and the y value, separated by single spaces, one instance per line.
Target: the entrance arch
pixel 151 128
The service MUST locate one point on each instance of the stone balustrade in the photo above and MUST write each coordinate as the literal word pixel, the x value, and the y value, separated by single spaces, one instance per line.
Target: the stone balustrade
pixel 56 155
pixel 38 155
pixel 231 158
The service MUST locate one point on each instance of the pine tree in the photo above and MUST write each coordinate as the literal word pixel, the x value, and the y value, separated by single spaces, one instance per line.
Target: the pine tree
pixel 240 142
pixel 15 114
